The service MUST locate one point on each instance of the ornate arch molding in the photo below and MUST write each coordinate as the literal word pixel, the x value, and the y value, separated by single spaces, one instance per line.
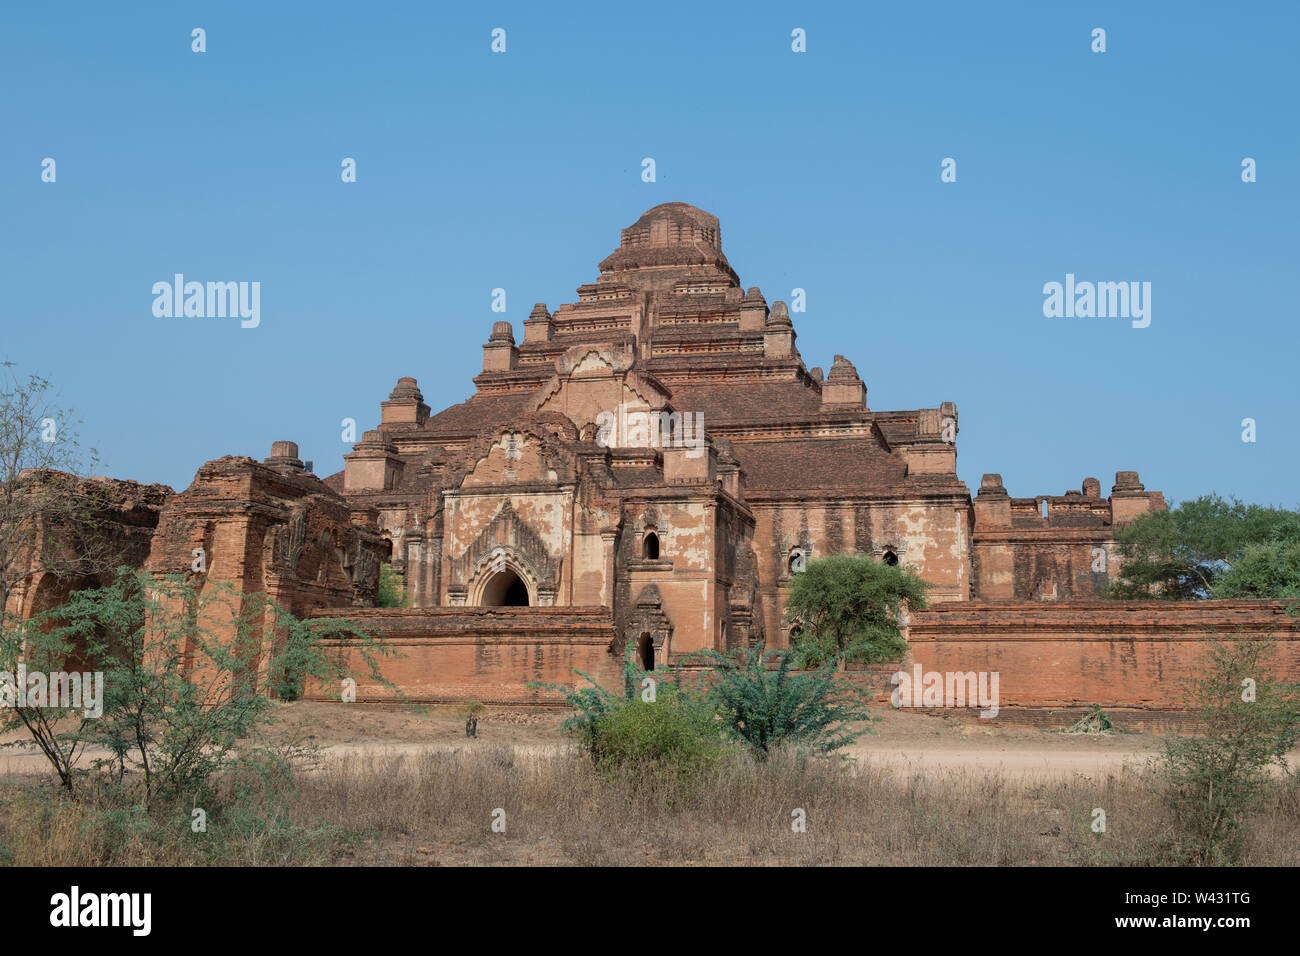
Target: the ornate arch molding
pixel 614 362
pixel 551 432
pixel 523 550
pixel 649 617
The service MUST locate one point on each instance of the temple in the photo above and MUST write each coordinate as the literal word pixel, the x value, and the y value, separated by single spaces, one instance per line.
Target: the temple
pixel 651 465
pixel 660 448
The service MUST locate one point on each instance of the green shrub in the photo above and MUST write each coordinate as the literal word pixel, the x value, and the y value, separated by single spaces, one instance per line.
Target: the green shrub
pixel 392 593
pixel 591 704
pixel 765 707
pixel 673 729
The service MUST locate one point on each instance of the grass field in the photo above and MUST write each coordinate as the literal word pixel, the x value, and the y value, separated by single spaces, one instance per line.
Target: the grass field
pixel 392 787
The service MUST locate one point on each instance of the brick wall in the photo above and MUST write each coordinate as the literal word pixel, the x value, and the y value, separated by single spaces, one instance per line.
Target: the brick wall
pixel 489 654
pixel 1060 657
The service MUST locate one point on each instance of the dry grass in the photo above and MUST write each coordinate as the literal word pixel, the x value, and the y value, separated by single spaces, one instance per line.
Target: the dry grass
pixel 438 808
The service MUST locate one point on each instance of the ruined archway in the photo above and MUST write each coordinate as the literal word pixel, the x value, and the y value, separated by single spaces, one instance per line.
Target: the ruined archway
pixel 505 588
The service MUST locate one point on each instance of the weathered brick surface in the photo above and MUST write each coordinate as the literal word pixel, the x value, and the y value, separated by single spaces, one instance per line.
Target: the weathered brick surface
pixel 1119 654
pixel 109 524
pixel 267 529
pixel 487 654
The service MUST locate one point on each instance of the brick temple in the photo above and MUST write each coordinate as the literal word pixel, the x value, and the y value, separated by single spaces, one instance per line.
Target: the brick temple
pixel 660 447
pixel 652 464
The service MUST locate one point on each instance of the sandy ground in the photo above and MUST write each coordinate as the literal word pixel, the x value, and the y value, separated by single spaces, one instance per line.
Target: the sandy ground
pixel 902 741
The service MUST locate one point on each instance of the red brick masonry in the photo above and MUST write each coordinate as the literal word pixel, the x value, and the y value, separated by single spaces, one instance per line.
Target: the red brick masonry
pixel 1053 659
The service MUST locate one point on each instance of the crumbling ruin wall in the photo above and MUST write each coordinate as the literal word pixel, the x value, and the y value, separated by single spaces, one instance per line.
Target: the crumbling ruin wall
pixel 1052 547
pixel 107 524
pixel 267 529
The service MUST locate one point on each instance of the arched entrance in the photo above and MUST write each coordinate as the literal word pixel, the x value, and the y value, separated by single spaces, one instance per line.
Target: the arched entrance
pixel 505 589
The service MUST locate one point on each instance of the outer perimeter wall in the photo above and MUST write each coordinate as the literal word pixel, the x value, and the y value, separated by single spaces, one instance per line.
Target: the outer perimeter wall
pixel 1053 660
pixel 443 655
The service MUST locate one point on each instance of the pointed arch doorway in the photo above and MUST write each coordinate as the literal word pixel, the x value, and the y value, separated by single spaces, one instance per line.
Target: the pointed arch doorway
pixel 505 589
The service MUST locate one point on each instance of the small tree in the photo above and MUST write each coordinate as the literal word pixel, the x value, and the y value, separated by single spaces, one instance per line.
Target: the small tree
pixel 50 526
pixel 1248 722
pixel 851 606
pixel 179 696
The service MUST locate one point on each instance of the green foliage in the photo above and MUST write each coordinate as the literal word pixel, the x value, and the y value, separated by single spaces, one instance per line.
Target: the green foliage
pixel 1269 569
pixel 741 698
pixel 592 704
pixel 851 606
pixel 392 592
pixel 1213 780
pixel 1210 547
pixel 764 707
pixel 179 696
pixel 675 729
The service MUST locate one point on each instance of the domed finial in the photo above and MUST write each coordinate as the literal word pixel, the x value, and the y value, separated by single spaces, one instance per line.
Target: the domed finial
pixel 842 370
pixel 779 315
pixel 406 389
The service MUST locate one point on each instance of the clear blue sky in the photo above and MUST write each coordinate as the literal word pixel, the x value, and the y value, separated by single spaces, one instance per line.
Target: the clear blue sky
pixel 479 170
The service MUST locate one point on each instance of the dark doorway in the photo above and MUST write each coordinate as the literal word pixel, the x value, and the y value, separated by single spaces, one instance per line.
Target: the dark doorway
pixel 650 547
pixel 505 589
pixel 646 650
pixel 891 558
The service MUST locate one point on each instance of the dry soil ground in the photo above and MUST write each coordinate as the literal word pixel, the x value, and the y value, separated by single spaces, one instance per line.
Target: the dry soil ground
pixel 905 741
pixel 901 740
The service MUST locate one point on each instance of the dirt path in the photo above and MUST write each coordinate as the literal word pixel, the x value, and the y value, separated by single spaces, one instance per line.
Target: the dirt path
pixel 903 742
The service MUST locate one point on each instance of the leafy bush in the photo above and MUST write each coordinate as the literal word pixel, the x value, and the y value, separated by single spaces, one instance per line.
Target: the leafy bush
pixel 674 729
pixel 592 704
pixel 741 698
pixel 766 707
pixel 392 592
pixel 851 606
